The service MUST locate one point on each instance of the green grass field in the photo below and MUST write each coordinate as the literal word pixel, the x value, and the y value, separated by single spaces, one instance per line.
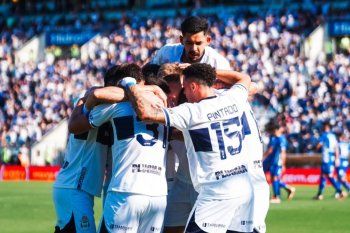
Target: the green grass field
pixel 27 207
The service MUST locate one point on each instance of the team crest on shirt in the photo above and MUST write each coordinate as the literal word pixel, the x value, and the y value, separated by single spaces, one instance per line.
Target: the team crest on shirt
pixel 84 223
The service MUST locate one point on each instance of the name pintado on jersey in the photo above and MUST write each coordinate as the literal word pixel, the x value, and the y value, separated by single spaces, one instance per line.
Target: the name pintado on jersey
pixel 136 167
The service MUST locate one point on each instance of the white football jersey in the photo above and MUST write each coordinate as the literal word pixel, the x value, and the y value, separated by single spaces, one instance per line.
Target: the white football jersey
pixel 183 171
pixel 214 135
pixel 138 150
pixel 171 53
pixel 85 160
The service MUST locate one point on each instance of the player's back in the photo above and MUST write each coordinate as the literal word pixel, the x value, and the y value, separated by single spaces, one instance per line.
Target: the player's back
pixel 85 160
pixel 213 135
pixel 138 150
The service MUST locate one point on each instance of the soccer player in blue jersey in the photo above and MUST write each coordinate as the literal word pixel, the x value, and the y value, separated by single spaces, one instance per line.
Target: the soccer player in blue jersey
pixel 330 154
pixel 274 157
pixel 343 165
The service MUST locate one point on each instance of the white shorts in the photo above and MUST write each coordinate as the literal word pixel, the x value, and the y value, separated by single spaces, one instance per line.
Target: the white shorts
pixel 125 212
pixel 74 204
pixel 181 199
pixel 220 216
pixel 261 207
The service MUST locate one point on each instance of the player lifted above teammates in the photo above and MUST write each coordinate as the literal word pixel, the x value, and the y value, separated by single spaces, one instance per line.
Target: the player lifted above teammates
pixel 194 48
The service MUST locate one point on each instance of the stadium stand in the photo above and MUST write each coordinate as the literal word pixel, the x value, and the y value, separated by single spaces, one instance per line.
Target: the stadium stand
pixel 34 98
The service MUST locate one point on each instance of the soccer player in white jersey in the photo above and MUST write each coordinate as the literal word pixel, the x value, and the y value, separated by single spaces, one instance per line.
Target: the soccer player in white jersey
pixel 212 127
pixel 136 198
pixel 194 48
pixel 82 176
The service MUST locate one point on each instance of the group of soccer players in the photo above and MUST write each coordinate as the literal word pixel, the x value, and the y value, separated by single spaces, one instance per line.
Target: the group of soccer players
pixel 123 133
pixel 123 137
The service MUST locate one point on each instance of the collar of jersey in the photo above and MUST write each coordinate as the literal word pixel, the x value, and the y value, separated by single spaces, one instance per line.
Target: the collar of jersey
pixel 209 97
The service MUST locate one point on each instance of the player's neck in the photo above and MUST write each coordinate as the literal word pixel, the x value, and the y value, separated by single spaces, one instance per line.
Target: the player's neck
pixel 206 93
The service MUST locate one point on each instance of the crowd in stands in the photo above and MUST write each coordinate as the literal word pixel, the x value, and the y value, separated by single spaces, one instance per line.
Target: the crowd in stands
pixel 34 98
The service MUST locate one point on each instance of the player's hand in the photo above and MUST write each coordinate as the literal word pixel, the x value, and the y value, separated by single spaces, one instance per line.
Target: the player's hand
pixel 183 66
pixel 158 92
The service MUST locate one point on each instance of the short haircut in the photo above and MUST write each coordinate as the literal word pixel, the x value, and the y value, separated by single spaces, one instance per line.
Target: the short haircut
pixel 150 69
pixel 118 72
pixel 169 68
pixel 175 78
pixel 201 73
pixel 271 126
pixel 194 24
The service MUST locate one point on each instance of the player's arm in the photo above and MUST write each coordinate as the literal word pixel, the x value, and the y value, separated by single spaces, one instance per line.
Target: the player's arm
pixel 105 95
pixel 268 152
pixel 145 108
pixel 78 123
pixel 234 77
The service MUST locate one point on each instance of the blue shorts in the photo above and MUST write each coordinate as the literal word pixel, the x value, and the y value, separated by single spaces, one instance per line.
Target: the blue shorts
pixel 275 170
pixel 267 164
pixel 327 168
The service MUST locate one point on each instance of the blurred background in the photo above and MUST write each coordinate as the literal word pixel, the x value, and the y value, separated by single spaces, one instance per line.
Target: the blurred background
pixel 51 51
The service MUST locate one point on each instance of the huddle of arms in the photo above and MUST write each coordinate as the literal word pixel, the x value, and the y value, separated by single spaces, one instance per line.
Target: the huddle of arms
pixel 138 95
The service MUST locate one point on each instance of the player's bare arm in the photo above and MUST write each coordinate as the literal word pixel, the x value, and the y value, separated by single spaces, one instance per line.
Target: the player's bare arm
pixel 78 123
pixel 234 77
pixel 145 108
pixel 108 95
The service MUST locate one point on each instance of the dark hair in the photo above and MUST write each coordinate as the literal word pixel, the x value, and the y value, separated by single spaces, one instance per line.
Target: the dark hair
pixel 271 126
pixel 201 73
pixel 326 124
pixel 116 73
pixel 194 24
pixel 150 69
pixel 153 80
pixel 176 78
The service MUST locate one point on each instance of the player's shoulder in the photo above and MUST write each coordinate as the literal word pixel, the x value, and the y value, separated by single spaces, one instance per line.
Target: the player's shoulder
pixel 178 47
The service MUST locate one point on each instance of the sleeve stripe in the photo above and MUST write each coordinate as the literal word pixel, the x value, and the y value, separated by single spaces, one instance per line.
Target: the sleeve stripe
pixel 167 118
pixel 238 84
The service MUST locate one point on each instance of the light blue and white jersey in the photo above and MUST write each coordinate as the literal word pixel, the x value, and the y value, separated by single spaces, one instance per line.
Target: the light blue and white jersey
pixel 85 160
pixel 214 130
pixel 344 153
pixel 138 150
pixel 171 53
pixel 329 145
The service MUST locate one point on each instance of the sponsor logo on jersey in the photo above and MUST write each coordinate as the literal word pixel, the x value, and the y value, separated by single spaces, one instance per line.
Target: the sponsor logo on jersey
pixel 84 222
pixel 120 227
pixel 155 229
pixel 146 168
pixel 234 171
pixel 246 222
pixel 215 225
pixel 257 164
